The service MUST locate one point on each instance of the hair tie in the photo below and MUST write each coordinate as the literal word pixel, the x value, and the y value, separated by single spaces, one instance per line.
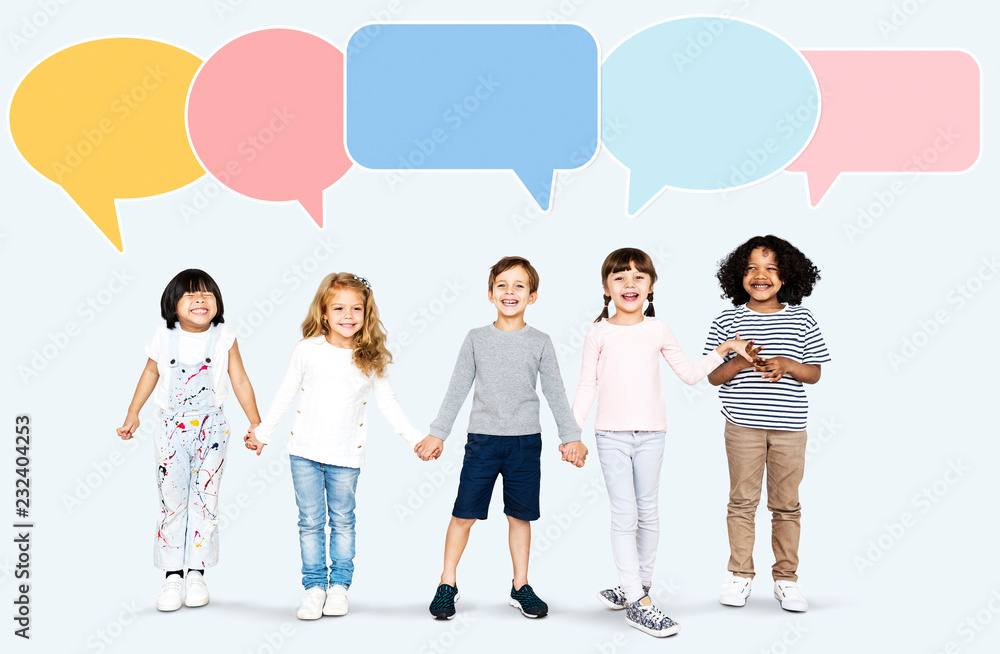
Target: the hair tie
pixel 363 281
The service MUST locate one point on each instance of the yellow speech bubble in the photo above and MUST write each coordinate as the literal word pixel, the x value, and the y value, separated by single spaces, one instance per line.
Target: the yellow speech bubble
pixel 104 119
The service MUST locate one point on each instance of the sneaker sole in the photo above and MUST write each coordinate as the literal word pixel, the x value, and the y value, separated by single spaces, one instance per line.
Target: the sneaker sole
pixel 663 633
pixel 608 603
pixel 517 605
pixel 791 610
pixel 309 617
pixel 337 612
pixel 167 608
pixel 440 615
pixel 192 605
pixel 736 602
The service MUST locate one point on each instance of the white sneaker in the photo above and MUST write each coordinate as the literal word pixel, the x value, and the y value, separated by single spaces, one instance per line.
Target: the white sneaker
pixel 336 601
pixel 171 594
pixel 196 590
pixel 312 604
pixel 735 590
pixel 790 595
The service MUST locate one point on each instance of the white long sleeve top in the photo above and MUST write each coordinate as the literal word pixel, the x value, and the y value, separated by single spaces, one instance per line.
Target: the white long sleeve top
pixel 330 424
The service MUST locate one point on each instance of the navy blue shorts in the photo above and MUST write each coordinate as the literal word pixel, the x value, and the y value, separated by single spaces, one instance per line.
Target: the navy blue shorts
pixel 518 459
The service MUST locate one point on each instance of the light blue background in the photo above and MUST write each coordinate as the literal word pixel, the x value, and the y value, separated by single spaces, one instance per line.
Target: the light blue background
pixel 880 435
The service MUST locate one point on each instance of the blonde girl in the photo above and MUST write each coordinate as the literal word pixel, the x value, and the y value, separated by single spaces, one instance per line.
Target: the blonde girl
pixel 341 357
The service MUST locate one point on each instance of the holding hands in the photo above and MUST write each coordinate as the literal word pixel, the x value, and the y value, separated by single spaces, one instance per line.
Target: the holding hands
pixel 429 449
pixel 575 453
pixel 251 440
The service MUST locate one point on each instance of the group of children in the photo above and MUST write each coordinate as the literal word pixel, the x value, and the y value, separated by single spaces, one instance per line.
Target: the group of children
pixel 761 352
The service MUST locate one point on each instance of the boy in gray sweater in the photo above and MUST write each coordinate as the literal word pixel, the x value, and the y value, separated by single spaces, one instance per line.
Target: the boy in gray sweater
pixel 504 359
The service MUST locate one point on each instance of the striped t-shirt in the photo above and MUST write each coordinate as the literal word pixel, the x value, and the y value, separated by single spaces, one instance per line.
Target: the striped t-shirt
pixel 748 400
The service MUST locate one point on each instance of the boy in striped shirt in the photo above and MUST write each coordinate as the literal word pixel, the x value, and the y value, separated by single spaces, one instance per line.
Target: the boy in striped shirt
pixel 765 404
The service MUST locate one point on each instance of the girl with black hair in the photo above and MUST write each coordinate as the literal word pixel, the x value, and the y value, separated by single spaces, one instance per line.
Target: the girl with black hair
pixel 189 358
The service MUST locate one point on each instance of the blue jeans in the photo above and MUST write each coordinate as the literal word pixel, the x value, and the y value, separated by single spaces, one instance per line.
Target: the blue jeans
pixel 314 481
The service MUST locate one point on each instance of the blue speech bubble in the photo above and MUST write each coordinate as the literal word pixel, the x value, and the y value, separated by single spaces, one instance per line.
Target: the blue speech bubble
pixel 474 97
pixel 706 104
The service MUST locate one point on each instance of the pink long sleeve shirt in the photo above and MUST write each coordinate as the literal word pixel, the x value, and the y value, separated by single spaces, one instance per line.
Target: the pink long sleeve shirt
pixel 621 368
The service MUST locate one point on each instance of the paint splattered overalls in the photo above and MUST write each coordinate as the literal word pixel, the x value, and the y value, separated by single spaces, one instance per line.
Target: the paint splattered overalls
pixel 190 446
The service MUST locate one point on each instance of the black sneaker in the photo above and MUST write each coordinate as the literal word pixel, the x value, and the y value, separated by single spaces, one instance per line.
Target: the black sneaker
pixel 530 605
pixel 443 605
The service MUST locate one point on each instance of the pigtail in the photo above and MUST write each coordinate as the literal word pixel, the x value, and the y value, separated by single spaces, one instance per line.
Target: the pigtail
pixel 604 314
pixel 649 310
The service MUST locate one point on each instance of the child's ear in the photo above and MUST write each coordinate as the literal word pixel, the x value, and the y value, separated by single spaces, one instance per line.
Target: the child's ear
pixel 533 297
pixel 489 295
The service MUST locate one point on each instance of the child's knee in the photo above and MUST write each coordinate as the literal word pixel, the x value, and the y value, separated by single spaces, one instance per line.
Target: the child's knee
pixel 463 523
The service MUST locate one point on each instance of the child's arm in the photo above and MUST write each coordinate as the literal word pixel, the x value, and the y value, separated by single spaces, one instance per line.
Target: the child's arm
pixel 458 389
pixel 572 447
pixel 242 388
pixel 260 435
pixel 586 390
pixel 732 367
pixel 776 367
pixel 692 372
pixel 385 397
pixel 147 382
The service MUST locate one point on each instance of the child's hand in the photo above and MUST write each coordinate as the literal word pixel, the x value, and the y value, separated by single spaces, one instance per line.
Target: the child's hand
pixel 575 453
pixel 754 351
pixel 430 448
pixel 744 349
pixel 774 368
pixel 251 440
pixel 128 428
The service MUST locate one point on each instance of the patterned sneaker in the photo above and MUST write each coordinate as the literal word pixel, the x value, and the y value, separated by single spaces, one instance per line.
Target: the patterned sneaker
pixel 614 598
pixel 735 591
pixel 648 618
pixel 530 605
pixel 443 605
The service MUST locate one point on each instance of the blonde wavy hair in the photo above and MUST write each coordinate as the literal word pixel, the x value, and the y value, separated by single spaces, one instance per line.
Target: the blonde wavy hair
pixel 371 355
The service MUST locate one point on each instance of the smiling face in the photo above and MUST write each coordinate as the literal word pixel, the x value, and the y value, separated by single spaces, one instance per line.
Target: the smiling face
pixel 628 290
pixel 762 280
pixel 511 293
pixel 344 317
pixel 195 310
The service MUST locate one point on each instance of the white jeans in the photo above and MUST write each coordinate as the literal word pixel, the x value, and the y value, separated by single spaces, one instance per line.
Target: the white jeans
pixel 631 462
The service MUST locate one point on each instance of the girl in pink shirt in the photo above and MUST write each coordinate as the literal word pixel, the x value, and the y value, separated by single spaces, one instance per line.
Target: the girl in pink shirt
pixel 621 368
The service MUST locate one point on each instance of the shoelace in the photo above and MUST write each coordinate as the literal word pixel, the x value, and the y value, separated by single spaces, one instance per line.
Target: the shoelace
pixel 656 616
pixel 791 591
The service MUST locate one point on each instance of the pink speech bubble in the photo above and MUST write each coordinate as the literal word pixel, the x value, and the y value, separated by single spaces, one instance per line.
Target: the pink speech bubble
pixel 265 116
pixel 891 111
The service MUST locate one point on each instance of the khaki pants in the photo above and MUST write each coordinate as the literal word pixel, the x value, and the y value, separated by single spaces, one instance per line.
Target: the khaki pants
pixel 783 453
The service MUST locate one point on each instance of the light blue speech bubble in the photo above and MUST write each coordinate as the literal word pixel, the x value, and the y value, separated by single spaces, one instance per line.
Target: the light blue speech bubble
pixel 706 104
pixel 521 97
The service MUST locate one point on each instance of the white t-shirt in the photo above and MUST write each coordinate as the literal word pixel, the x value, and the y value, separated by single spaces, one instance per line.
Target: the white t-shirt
pixel 191 349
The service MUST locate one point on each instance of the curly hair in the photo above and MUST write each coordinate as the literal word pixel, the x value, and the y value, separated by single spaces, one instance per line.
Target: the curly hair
pixel 797 273
pixel 371 355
